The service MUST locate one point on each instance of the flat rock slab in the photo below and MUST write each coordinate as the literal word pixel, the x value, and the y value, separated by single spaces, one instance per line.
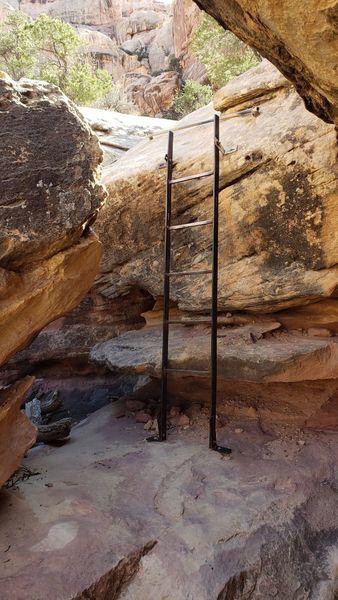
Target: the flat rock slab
pixel 110 516
pixel 284 358
pixel 118 132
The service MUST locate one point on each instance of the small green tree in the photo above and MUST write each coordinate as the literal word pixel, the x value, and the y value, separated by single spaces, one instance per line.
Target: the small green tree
pixel 18 52
pixel 51 50
pixel 193 95
pixel 223 55
pixel 87 85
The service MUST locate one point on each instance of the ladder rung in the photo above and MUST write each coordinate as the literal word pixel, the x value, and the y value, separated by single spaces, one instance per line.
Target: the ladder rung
pixel 188 371
pixel 194 224
pixel 179 273
pixel 190 177
pixel 189 322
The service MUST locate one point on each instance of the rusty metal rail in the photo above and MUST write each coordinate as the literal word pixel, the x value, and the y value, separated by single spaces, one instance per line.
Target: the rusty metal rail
pixel 254 112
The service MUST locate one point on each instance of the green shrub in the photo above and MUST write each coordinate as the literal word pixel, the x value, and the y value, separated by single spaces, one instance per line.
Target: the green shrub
pixel 223 55
pixel 87 85
pixel 117 100
pixel 193 95
pixel 51 50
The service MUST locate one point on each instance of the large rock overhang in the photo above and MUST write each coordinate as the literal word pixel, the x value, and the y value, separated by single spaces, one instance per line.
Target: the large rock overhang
pixel 299 38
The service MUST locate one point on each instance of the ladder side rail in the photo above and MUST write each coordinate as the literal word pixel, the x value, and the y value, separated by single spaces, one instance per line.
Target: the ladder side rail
pixel 214 290
pixel 166 292
pixel 213 445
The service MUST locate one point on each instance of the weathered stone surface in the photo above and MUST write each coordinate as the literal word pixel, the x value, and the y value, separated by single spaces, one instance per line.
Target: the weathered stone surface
pixel 17 433
pixel 161 52
pixel 98 13
pixel 44 207
pixel 104 49
pixel 300 38
pixel 66 343
pixel 132 16
pixel 152 95
pixel 319 314
pixel 278 205
pixel 50 193
pixel 131 520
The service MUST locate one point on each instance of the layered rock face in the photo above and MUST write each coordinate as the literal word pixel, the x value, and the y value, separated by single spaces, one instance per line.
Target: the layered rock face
pixel 277 204
pixel 300 38
pixel 140 43
pixel 278 253
pixel 97 13
pixel 50 194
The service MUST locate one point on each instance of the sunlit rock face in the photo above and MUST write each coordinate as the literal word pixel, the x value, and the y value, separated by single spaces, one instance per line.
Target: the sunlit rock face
pixel 17 432
pixel 278 204
pixel 101 13
pixel 186 18
pixel 300 38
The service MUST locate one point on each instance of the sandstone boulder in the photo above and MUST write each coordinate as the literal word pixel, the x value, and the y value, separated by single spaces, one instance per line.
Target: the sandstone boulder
pixel 138 21
pixel 161 54
pixel 17 432
pixel 65 344
pixel 278 205
pixel 263 371
pixel 104 50
pixel 152 95
pixel 300 38
pixel 50 194
pixel 277 255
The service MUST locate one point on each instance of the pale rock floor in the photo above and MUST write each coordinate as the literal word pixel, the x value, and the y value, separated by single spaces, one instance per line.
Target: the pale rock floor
pixel 173 521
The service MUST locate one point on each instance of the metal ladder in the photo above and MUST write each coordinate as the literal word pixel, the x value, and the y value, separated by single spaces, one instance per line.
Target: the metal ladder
pixel 166 370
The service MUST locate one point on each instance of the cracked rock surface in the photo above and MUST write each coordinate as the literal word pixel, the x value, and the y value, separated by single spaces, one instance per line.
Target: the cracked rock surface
pixel 174 521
